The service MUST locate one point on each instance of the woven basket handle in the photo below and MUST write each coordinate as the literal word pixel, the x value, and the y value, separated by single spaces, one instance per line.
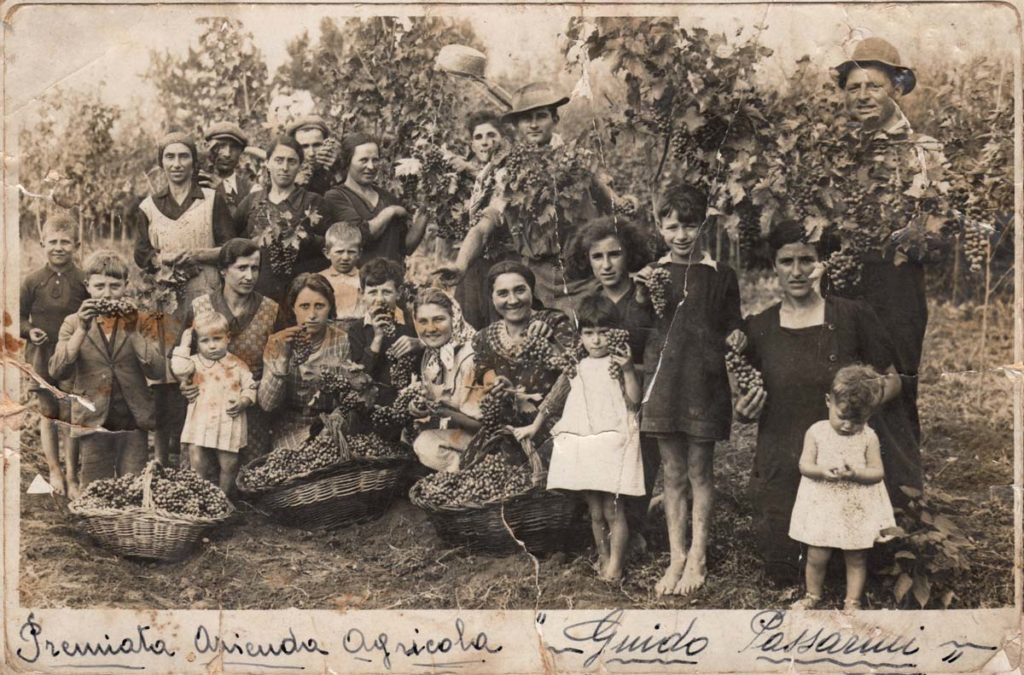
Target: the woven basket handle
pixel 539 477
pixel 147 485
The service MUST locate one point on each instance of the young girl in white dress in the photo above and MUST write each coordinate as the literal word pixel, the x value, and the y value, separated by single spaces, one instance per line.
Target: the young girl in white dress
pixel 597 439
pixel 841 502
pixel 214 429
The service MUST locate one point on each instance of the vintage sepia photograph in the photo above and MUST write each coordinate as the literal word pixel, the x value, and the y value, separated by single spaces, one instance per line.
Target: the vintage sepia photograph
pixel 479 307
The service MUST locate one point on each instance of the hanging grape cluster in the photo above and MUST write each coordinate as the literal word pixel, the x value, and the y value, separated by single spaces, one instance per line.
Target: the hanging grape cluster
pixel 749 232
pixel 497 409
pixel 302 346
pixel 120 308
pixel 284 463
pixel 618 343
pixel 493 478
pixel 844 269
pixel 179 491
pixel 174 277
pixel 401 368
pixel 658 285
pixel 397 414
pixel 334 383
pixel 282 256
pixel 747 376
pixel 976 246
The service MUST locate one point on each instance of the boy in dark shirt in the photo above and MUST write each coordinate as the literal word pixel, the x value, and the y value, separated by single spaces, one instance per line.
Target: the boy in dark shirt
pixel 385 332
pixel 48 295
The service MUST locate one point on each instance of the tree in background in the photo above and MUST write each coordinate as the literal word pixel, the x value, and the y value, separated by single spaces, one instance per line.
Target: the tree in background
pixel 225 78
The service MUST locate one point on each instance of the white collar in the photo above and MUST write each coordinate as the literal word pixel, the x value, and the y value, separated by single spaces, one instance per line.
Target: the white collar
pixel 705 260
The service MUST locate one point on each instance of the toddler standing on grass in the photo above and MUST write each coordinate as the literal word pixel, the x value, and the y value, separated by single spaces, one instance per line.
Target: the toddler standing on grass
pixel 48 295
pixel 215 429
pixel 842 502
pixel 596 442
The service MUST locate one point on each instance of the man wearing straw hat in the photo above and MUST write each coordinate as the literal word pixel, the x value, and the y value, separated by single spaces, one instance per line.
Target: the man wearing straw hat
pixel 311 132
pixel 873 81
pixel 534 116
pixel 227 141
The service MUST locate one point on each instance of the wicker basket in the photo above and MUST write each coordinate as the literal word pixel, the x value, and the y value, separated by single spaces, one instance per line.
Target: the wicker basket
pixel 331 497
pixel 145 531
pixel 544 521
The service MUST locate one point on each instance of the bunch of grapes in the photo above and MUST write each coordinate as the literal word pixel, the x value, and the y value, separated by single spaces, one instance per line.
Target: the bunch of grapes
pixel 749 227
pixel 302 346
pixel 184 491
pixel 494 478
pixel 497 409
pixel 712 134
pixel 618 343
pixel 176 276
pixel 401 368
pixel 372 446
pixel 282 256
pixel 975 246
pixel 284 463
pixel 334 383
pixel 747 376
pixel 122 492
pixel 179 491
pixel 536 351
pixel 657 285
pixel 398 412
pixel 119 308
pixel 540 179
pixel 844 268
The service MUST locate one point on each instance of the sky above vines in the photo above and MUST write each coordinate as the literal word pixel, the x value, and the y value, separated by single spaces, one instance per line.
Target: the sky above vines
pixel 106 49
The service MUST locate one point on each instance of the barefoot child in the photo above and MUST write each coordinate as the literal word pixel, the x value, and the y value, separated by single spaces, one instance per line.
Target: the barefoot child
pixel 597 440
pixel 688 406
pixel 215 429
pixel 48 296
pixel 106 361
pixel 842 502
pixel 343 246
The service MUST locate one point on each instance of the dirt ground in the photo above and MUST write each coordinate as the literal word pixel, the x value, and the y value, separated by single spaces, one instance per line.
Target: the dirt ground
pixel 398 562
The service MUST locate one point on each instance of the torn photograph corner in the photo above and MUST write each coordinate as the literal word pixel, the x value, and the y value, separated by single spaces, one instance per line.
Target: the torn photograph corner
pixel 477 338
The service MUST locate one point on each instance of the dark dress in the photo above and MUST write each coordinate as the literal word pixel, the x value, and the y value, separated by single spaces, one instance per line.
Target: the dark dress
pixel 897 294
pixel 798 366
pixel 687 384
pixel 253 217
pixel 342 204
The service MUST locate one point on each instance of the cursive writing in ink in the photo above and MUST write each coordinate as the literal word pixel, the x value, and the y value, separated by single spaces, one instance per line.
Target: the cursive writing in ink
pixel 355 642
pixel 205 643
pixel 31 632
pixel 640 648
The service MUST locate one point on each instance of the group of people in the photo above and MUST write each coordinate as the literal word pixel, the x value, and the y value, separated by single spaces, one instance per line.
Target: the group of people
pixel 230 373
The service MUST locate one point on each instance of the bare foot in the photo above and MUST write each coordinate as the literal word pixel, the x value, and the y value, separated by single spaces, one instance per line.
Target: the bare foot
pixel 612 576
pixel 693 576
pixel 601 564
pixel 73 491
pixel 669 581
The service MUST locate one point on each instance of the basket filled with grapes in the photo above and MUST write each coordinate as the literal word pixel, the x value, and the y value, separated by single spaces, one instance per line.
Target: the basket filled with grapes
pixel 493 507
pixel 330 481
pixel 159 514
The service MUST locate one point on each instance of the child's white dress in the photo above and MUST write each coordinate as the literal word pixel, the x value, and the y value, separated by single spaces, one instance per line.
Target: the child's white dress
pixel 840 514
pixel 207 423
pixel 597 440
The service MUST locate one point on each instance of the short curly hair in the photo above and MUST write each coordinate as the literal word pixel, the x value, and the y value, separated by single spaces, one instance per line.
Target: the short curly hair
pixel 858 390
pixel 634 245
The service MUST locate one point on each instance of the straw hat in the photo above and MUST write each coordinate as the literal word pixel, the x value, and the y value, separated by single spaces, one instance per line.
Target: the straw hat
pixel 226 131
pixel 461 60
pixel 879 53
pixel 534 96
